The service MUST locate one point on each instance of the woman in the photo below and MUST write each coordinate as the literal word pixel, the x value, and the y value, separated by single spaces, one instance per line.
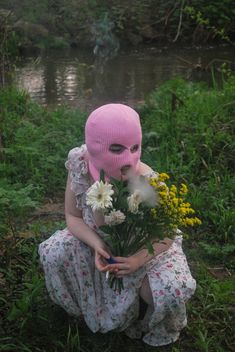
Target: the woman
pixel 75 259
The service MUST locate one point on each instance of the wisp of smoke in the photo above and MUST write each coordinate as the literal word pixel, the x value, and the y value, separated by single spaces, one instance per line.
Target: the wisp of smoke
pixel 147 193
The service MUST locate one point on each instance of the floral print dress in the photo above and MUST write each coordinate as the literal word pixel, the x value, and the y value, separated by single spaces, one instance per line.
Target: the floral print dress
pixel 74 283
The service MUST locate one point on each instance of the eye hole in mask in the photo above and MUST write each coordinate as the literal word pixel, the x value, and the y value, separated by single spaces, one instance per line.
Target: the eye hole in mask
pixel 118 148
pixel 134 148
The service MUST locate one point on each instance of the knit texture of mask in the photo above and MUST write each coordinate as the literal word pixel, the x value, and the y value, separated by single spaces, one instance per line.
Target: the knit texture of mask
pixel 107 125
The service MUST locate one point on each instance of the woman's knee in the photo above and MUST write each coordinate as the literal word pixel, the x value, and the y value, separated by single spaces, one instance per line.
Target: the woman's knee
pixel 169 287
pixel 183 288
pixel 57 249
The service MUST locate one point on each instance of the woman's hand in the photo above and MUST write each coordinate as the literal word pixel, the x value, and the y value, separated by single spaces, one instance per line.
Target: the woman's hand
pixel 125 265
pixel 128 265
pixel 102 253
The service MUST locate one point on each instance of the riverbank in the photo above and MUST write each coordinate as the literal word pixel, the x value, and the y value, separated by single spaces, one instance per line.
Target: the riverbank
pixel 188 133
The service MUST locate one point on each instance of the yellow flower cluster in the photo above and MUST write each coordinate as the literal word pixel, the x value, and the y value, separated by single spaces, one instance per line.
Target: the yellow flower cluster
pixel 171 203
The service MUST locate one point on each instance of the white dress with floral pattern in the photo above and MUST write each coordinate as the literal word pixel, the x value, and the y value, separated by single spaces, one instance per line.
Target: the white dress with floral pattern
pixel 75 284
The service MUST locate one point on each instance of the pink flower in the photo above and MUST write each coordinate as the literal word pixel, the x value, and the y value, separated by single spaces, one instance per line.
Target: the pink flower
pixel 157 275
pixel 177 292
pixel 99 312
pixel 169 265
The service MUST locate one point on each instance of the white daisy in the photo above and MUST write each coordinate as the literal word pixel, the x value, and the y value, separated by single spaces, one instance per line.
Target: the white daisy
pixel 99 196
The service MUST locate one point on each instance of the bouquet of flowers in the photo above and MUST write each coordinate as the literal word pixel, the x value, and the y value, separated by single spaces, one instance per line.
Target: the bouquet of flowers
pixel 140 212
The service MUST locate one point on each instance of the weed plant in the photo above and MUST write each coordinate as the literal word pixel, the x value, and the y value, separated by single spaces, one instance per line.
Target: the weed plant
pixel 188 133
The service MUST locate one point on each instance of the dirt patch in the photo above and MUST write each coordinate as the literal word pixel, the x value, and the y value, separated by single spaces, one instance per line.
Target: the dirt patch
pixel 50 209
pixel 220 272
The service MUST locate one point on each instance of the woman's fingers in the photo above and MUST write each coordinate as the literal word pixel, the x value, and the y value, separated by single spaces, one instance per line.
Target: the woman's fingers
pixel 118 266
pixel 104 253
pixel 100 265
pixel 123 266
pixel 100 262
pixel 120 259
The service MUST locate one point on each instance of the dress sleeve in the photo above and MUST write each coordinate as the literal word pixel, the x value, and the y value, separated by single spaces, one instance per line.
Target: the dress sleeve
pixel 78 170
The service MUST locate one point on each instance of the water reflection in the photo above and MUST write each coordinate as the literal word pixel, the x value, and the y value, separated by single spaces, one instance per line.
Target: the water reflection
pixel 32 81
pixel 76 79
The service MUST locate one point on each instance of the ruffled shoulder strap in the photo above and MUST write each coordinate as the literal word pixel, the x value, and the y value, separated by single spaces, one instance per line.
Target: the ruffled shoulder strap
pixel 151 174
pixel 78 169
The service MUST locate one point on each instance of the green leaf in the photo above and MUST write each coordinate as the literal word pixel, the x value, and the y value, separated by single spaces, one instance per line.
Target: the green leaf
pixel 150 248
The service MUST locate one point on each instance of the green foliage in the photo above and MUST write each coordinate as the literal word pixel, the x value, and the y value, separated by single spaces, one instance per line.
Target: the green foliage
pixel 135 21
pixel 15 206
pixel 212 19
pixel 214 301
pixel 30 322
pixel 189 133
pixel 35 142
pixel 198 123
pixel 34 147
pixel 192 138
pixel 8 44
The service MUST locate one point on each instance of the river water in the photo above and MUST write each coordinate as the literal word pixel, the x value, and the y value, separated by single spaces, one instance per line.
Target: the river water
pixel 76 78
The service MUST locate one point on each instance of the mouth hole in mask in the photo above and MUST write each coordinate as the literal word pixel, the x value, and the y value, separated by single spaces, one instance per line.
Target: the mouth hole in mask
pixel 125 168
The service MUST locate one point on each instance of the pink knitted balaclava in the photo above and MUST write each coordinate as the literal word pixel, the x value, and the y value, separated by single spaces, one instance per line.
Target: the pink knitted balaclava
pixel 107 125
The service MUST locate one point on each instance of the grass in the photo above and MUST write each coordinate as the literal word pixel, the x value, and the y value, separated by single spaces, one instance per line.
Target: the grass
pixel 31 322
pixel 188 133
